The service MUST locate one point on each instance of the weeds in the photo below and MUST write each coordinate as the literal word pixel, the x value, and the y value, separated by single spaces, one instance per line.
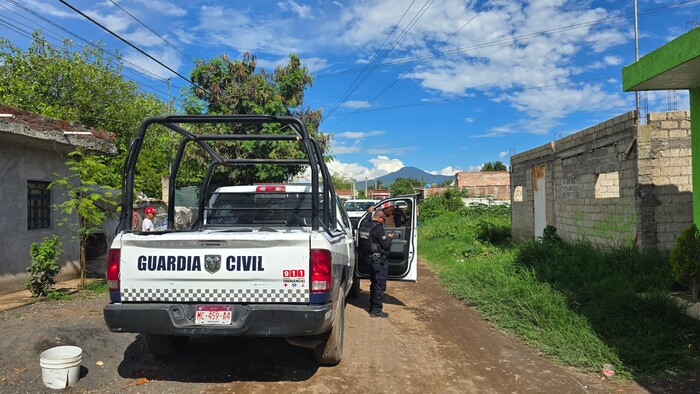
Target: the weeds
pixel 579 304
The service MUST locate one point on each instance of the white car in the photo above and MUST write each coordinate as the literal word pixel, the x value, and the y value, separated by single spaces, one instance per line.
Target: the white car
pixel 357 208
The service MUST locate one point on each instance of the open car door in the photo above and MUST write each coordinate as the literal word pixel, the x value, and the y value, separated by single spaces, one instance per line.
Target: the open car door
pixel 403 254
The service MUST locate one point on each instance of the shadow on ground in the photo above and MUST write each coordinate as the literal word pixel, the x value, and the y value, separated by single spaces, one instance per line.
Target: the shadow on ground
pixel 221 360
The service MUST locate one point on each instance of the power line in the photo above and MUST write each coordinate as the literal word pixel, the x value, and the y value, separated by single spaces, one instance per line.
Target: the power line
pixel 512 39
pixel 416 65
pixel 12 25
pixel 127 42
pixel 143 70
pixel 151 30
pixel 501 91
pixel 354 87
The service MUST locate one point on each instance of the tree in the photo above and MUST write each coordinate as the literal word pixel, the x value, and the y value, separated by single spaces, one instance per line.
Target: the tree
pixel 235 87
pixel 85 87
pixel 495 166
pixel 340 181
pixel 84 197
pixel 404 186
pixel 685 259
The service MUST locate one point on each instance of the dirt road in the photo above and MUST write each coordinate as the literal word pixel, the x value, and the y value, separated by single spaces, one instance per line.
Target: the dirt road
pixel 430 343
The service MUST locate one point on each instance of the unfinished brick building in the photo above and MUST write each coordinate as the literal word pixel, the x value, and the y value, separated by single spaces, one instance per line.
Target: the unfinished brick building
pixel 616 183
pixel 490 184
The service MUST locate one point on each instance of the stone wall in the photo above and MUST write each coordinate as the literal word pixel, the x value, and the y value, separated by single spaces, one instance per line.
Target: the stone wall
pixel 492 184
pixel 615 183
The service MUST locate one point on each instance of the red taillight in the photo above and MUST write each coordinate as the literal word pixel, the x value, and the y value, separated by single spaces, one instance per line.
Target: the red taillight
pixel 321 272
pixel 280 189
pixel 113 269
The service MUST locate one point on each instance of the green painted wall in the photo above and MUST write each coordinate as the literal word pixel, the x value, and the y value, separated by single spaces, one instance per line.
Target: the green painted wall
pixel 695 146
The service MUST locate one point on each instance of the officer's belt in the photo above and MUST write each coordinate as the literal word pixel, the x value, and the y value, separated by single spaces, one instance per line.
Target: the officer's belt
pixel 377 254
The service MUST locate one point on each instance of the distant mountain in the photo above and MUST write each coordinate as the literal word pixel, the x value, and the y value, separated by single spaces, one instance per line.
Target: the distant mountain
pixel 406 172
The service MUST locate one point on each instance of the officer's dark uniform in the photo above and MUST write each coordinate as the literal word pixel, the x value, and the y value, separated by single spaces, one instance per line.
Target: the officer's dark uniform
pixel 373 245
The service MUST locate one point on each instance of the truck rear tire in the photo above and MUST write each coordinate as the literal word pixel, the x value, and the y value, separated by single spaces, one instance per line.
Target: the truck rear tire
pixel 162 346
pixel 330 350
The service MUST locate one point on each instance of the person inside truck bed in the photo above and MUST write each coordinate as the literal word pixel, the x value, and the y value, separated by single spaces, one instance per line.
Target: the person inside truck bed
pixel 147 224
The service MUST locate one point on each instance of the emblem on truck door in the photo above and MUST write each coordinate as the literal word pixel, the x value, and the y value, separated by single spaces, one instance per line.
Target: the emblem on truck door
pixel 212 263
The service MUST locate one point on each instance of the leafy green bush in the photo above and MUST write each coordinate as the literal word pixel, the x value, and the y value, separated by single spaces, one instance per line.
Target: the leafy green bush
pixel 549 234
pixel 448 201
pixel 685 259
pixel 44 266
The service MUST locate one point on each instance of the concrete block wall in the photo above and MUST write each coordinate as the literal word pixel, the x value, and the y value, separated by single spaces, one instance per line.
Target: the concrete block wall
pixel 616 183
pixel 668 157
pixel 522 209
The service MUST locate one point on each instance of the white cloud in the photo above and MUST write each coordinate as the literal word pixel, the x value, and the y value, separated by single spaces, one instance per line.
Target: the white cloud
pixel 143 37
pixel 303 11
pixel 167 56
pixel 47 8
pixel 521 57
pixel 450 171
pixel 117 23
pixel 381 165
pixel 163 7
pixel 356 104
pixel 359 134
pixel 468 120
pixel 384 165
pixel 398 151
pixel 313 64
pixel 503 155
pixel 345 149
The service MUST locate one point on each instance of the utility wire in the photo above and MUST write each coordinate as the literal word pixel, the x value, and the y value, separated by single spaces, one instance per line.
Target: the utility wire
pixel 131 45
pixel 532 35
pixel 352 86
pixel 13 25
pixel 405 31
pixel 151 30
pixel 152 75
pixel 501 91
pixel 509 40
pixel 416 65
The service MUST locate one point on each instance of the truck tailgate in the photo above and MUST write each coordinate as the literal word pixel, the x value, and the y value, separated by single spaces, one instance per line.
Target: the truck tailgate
pixel 251 267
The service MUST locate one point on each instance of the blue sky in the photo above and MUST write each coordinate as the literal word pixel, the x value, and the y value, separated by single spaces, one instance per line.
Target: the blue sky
pixel 441 85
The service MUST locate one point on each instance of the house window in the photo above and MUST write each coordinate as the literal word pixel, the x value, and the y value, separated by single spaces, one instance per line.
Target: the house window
pixel 607 185
pixel 38 205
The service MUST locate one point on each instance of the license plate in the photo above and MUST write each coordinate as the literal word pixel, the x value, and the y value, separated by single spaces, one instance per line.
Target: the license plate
pixel 213 314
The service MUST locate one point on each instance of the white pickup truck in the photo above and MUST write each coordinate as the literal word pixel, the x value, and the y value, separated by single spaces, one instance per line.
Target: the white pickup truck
pixel 263 259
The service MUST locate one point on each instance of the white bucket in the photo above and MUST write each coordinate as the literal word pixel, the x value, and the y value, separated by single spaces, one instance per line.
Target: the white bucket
pixel 60 366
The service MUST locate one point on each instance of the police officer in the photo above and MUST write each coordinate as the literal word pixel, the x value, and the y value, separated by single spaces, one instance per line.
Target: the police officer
pixel 373 245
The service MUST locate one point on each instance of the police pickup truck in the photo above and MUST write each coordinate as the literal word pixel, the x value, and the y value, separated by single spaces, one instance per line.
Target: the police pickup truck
pixel 257 259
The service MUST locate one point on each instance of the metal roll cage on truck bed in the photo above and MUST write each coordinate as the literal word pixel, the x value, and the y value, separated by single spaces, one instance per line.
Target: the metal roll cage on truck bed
pixel 243 267
pixel 173 123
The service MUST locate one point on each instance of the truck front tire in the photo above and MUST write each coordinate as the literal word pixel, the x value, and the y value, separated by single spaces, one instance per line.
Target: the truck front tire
pixel 330 350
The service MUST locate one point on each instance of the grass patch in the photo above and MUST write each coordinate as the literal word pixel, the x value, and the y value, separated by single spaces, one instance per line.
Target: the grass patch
pixel 578 304
pixel 97 288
